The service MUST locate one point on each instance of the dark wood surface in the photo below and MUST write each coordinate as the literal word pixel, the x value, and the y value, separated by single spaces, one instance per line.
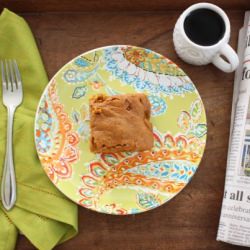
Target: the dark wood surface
pixel 190 220
pixel 113 5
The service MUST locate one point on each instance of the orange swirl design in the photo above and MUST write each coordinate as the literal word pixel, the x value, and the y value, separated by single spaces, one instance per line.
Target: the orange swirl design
pixel 57 164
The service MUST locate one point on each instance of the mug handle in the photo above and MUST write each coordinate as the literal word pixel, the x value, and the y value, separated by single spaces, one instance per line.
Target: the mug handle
pixel 231 56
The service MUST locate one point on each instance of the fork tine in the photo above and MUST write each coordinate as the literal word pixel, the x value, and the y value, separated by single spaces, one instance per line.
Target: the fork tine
pixel 9 85
pixel 18 76
pixel 12 76
pixel 3 76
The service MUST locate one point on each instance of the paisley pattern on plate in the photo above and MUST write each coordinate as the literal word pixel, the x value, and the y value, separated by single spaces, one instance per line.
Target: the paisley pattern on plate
pixel 145 70
pixel 120 183
pixel 56 141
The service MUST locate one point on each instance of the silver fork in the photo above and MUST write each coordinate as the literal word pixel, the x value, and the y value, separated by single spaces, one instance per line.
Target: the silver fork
pixel 12 98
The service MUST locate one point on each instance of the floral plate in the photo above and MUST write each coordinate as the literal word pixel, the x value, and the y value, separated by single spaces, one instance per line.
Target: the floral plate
pixel 120 183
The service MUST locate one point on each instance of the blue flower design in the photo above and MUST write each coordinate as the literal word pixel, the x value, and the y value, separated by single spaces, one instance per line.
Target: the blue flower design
pixel 158 105
pixel 189 87
pixel 141 85
pixel 118 72
pixel 70 76
pixel 111 64
pixel 176 89
pixel 129 78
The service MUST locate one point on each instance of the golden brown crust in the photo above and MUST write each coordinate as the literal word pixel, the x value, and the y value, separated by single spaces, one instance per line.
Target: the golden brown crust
pixel 120 123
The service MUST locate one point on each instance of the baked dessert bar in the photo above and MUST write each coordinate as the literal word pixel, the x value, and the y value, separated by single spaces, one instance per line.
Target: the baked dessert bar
pixel 120 123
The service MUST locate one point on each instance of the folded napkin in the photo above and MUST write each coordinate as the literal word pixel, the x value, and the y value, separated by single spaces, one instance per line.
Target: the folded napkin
pixel 41 213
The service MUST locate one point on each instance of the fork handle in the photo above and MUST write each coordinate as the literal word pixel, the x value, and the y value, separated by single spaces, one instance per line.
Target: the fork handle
pixel 8 188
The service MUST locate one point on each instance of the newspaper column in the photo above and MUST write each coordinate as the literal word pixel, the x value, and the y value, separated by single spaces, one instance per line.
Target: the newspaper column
pixel 234 225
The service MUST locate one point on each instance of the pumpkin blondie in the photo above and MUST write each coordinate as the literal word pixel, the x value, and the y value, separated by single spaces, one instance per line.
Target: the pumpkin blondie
pixel 120 123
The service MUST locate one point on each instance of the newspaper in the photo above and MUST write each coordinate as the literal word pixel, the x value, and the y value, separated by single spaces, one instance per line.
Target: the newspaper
pixel 234 225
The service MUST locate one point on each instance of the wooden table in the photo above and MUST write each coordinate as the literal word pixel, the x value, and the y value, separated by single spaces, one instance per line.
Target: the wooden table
pixel 190 220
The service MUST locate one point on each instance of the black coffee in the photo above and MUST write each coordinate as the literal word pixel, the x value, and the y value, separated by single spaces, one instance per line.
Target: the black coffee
pixel 204 27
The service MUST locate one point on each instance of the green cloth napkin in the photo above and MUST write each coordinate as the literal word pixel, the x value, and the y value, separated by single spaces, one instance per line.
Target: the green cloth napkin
pixel 41 213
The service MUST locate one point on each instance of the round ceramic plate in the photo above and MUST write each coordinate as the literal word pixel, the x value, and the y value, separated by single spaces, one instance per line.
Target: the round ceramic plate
pixel 120 183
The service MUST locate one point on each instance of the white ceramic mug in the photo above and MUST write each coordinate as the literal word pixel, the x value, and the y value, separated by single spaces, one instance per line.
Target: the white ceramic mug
pixel 196 54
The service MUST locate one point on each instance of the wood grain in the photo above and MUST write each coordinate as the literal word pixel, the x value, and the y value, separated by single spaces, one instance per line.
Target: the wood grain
pixel 112 5
pixel 190 220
